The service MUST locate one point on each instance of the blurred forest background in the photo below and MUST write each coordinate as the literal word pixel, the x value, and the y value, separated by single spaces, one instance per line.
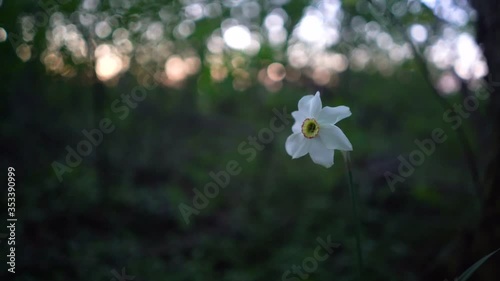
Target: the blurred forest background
pixel 211 73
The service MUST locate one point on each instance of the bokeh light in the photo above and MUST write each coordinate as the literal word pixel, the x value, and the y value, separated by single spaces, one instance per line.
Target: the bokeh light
pixel 237 37
pixel 3 35
pixel 324 41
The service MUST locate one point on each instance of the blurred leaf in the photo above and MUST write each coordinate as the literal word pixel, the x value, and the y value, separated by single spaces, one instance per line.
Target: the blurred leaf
pixel 475 266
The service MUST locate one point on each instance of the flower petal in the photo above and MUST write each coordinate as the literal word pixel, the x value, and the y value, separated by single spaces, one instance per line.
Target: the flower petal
pixel 333 138
pixel 332 115
pixel 297 145
pixel 320 154
pixel 297 127
pixel 299 120
pixel 304 104
pixel 310 105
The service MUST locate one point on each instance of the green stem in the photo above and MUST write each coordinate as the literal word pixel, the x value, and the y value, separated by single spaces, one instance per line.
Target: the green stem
pixel 355 214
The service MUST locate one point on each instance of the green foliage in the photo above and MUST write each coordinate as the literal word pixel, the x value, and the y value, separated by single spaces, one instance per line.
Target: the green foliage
pixel 119 208
pixel 468 273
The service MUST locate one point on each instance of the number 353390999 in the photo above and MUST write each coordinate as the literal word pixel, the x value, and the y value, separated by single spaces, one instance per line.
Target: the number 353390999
pixel 11 188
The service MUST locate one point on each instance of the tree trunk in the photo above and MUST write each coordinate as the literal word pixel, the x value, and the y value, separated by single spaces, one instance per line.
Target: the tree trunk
pixel 486 237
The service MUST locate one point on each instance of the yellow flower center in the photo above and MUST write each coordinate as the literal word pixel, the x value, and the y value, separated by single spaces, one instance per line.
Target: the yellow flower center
pixel 310 128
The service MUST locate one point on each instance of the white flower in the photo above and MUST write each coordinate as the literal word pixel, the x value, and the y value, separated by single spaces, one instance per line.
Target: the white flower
pixel 314 131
